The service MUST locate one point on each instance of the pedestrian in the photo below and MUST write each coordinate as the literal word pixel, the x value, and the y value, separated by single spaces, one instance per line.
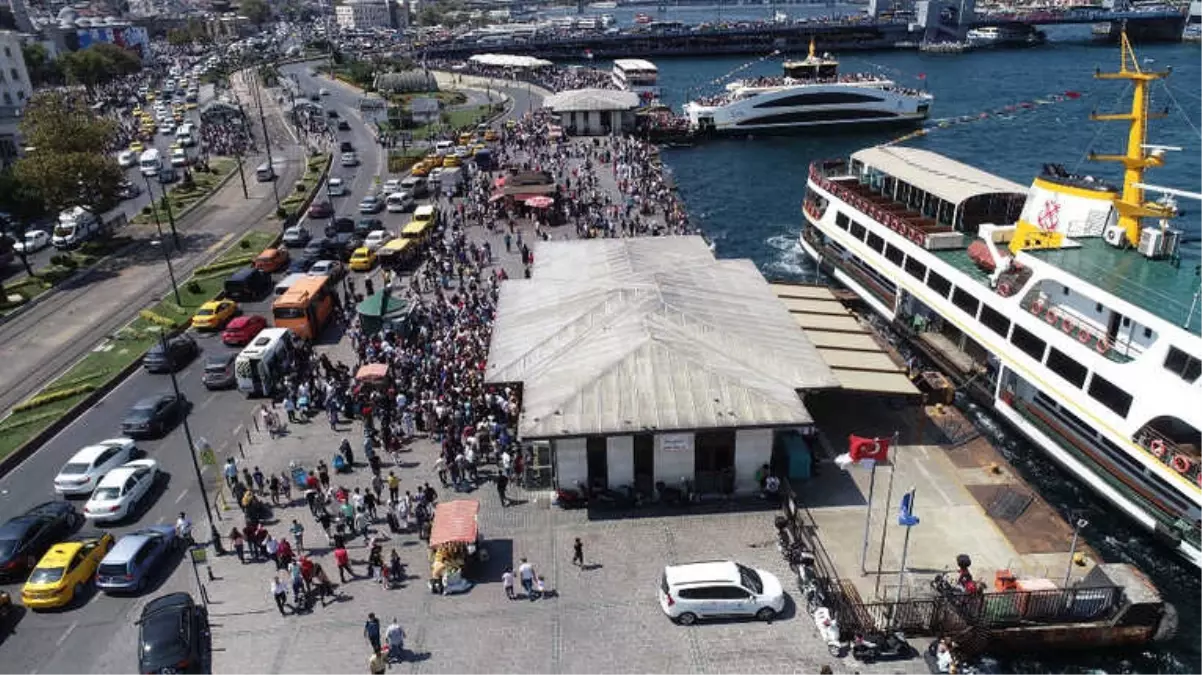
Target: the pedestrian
pixel 507 583
pixel 371 631
pixel 394 487
pixel 247 478
pixel 286 487
pixel 272 547
pixel 362 524
pixel 369 503
pixel 377 664
pixel 258 478
pixel 394 636
pixel 230 471
pixel 280 592
pixel 324 519
pixel 526 573
pixel 298 534
pixel 290 408
pixel 274 486
pixel 377 486
pixel 238 542
pixel 343 560
pixel 324 587
pixel 323 475
pixel 578 553
pixel 502 483
pixel 298 584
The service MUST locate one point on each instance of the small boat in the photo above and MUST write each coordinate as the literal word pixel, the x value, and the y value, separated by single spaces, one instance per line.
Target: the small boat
pixel 641 18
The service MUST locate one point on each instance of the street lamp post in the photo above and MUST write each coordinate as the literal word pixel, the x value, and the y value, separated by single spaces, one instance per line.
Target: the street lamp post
pixel 166 254
pixel 167 203
pixel 1081 524
pixel 254 83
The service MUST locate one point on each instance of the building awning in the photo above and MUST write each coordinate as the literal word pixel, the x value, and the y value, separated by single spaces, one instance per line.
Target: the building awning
pixel 589 100
pixel 455 521
pixel 857 360
pixel 943 177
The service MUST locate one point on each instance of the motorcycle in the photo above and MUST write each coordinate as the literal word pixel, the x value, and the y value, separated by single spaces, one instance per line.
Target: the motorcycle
pixel 828 629
pixel 567 498
pixel 881 647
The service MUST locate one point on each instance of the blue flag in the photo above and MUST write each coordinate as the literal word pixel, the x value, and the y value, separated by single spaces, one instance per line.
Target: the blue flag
pixel 907 518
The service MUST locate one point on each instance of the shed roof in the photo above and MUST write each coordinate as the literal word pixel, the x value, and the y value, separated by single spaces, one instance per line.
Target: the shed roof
pixel 625 335
pixel 578 100
pixel 931 172
pixel 635 64
pixel 424 106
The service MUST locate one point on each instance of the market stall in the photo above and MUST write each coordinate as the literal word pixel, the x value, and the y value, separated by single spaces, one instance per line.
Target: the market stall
pixel 454 542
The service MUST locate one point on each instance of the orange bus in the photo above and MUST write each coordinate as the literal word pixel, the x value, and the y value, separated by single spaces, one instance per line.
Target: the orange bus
pixel 305 307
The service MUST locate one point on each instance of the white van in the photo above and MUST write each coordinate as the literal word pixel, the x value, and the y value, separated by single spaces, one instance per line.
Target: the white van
pixel 719 588
pixel 150 162
pixel 74 227
pixel 186 134
pixel 444 147
pixel 399 202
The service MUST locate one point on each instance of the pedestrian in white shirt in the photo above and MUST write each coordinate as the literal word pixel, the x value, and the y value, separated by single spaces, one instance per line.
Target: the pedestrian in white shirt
pixel 280 592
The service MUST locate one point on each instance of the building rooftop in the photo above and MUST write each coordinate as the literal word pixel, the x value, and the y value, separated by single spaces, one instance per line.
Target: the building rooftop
pixel 653 334
pixel 581 100
pixel 945 178
pixel 1156 286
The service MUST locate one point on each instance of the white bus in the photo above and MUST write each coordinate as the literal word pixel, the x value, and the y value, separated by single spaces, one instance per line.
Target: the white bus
pixel 260 366
pixel 150 162
pixel 637 75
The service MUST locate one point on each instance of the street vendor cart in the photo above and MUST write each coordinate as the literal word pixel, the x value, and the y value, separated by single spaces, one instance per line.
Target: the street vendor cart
pixel 454 544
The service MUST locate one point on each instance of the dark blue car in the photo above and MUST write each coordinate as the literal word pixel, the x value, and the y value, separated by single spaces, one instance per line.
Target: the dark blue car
pixel 134 559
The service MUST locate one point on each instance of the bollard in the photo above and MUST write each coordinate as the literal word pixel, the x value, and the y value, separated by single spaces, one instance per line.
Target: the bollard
pixel 241 451
pixel 255 419
pixel 248 435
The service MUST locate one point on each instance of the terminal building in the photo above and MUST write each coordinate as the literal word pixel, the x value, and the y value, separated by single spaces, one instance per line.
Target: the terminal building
pixel 648 360
pixel 594 112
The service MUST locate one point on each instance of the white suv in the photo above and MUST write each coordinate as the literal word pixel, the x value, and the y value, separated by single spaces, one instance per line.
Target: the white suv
pixel 719 588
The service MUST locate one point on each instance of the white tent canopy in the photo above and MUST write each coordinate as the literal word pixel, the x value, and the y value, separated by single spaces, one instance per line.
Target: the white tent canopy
pixel 509 61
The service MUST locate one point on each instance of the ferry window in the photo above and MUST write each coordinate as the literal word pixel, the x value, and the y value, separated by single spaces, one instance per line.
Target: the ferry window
pixel 857 230
pixel 965 301
pixel 841 220
pixel 1065 367
pixel 875 242
pixel 1026 341
pixel 1147 333
pixel 1183 365
pixel 1109 395
pixel 939 284
pixel 995 320
pixel 894 254
pixel 916 269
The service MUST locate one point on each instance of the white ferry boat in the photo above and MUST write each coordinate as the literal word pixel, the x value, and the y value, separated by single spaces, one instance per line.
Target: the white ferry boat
pixel 1193 23
pixel 637 75
pixel 811 93
pixel 1004 36
pixel 1063 306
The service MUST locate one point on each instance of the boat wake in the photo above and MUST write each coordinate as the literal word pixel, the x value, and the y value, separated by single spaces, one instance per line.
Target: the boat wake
pixel 790 261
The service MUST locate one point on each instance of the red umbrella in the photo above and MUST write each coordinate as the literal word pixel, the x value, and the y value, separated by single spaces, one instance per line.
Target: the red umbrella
pixel 539 202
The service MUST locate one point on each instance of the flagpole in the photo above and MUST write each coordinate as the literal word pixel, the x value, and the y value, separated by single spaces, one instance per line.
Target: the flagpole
pixel 868 519
pixel 880 560
pixel 901 572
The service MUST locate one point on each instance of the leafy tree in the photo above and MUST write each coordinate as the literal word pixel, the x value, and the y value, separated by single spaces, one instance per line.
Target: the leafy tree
pixel 42 69
pixel 24 206
pixel 256 10
pixel 100 63
pixel 69 162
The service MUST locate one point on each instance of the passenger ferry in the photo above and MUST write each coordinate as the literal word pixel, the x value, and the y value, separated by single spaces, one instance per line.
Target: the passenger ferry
pixel 1063 306
pixel 811 93
pixel 1193 23
pixel 637 75
pixel 1004 36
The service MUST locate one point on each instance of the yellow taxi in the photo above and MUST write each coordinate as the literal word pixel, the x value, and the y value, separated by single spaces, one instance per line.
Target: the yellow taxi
pixel 150 96
pixel 65 570
pixel 213 314
pixel 190 106
pixel 477 147
pixel 136 146
pixel 363 259
pixel 465 138
pixel 450 161
pixel 490 136
pixel 421 170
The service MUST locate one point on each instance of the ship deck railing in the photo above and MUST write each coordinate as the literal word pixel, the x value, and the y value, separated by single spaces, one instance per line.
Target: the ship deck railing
pixel 1189 532
pixel 1088 335
pixel 833 176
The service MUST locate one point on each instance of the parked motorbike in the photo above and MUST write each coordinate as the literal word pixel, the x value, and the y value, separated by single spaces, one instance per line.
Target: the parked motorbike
pixel 612 499
pixel 881 647
pixel 828 629
pixel 567 498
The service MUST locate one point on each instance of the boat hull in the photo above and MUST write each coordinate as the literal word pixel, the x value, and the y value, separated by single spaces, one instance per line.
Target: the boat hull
pixel 789 109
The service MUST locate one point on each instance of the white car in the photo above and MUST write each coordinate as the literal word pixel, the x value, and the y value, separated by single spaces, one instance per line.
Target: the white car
pixel 350 159
pixel 121 490
pixel 327 268
pixel 323 92
pixel 718 589
pixel 82 472
pixel 179 157
pixel 463 152
pixel 35 240
pixel 127 158
pixel 336 187
pixel 168 127
pixel 392 185
pixel 377 239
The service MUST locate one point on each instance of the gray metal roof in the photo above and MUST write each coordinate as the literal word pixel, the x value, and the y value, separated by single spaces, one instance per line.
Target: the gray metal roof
pixel 578 100
pixel 931 172
pixel 627 335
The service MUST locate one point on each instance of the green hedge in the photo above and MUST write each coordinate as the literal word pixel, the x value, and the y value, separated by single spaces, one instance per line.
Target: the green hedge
pixel 160 320
pixel 76 380
pixel 53 396
pixel 208 270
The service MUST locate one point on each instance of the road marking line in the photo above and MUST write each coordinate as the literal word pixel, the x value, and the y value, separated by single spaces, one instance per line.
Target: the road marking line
pixel 66 634
pixel 181 496
pixel 161 519
pixel 207 401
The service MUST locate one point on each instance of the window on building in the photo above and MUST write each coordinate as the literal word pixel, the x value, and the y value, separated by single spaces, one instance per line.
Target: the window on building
pixel 1066 367
pixel 965 301
pixel 875 242
pixel 20 95
pixel 841 220
pixel 8 51
pixel 1028 343
pixel 939 284
pixel 857 230
pixel 916 269
pixel 995 320
pixel 1108 394
pixel 894 254
pixel 1183 365
pixel 8 98
pixel 15 74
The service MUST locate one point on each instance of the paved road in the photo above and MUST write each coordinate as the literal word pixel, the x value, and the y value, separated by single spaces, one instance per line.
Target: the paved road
pixel 45 340
pixel 103 629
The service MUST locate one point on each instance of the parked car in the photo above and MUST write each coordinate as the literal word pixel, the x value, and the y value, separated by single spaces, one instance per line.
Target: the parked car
pixel 65 571
pixel 24 538
pixel 34 241
pixel 153 415
pixel 84 470
pixel 719 589
pixel 133 561
pixel 333 269
pixel 241 330
pixel 272 260
pixel 371 204
pixel 296 236
pixel 219 371
pixel 178 351
pixel 320 210
pixel 214 314
pixel 121 491
pixel 172 633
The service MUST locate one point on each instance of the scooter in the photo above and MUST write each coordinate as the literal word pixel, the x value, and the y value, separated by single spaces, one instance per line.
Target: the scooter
pixel 881 647
pixel 828 629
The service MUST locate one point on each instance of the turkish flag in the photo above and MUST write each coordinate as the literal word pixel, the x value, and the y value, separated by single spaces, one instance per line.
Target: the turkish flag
pixel 861 448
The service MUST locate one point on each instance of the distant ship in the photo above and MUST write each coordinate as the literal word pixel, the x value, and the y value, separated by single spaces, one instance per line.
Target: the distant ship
pixel 1063 306
pixel 1004 36
pixel 811 93
pixel 603 5
pixel 642 18
pixel 1193 23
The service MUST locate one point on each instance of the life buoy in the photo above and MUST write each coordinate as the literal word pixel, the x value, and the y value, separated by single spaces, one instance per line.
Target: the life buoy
pixel 1004 289
pixel 1083 336
pixel 1181 463
pixel 1051 317
pixel 1157 447
pixel 1037 306
pixel 1067 325
pixel 1103 345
